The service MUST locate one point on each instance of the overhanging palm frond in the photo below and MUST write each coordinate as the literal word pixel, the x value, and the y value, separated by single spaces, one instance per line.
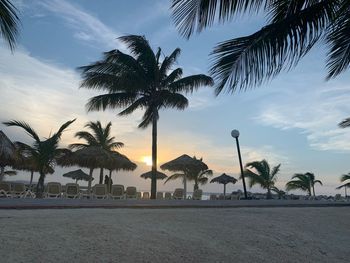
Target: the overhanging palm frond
pixel 9 23
pixel 338 58
pixel 249 61
pixel 195 15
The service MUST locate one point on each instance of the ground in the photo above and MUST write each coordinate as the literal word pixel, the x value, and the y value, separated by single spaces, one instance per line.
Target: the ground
pixel 308 234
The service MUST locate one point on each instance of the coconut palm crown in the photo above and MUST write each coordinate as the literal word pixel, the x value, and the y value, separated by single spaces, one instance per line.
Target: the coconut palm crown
pixel 140 80
pixel 260 173
pixel 305 182
pixel 43 152
pixel 100 136
pixel 292 29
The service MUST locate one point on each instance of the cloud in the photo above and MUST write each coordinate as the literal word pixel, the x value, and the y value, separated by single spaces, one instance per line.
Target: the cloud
pixel 315 113
pixel 87 27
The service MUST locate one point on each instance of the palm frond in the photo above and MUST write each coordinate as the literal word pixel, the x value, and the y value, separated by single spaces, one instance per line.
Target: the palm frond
pixel 140 103
pixel 344 177
pixel 338 57
pixel 9 23
pixel 191 83
pixel 194 15
pixel 29 130
pixel 251 60
pixel 112 101
pixel 173 100
pixel 168 62
pixel 344 123
pixel 173 76
pixel 174 177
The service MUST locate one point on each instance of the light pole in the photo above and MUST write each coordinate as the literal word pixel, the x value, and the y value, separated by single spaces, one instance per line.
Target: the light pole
pixel 235 134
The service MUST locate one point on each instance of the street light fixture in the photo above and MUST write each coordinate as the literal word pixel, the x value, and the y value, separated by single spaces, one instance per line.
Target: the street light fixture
pixel 235 134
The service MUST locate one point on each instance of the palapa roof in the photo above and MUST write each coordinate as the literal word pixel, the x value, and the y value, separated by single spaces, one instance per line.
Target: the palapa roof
pixel 8 153
pixel 184 163
pixel 224 179
pixel 148 175
pixel 96 157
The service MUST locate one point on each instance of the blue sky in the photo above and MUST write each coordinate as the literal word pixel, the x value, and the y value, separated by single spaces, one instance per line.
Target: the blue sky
pixel 290 120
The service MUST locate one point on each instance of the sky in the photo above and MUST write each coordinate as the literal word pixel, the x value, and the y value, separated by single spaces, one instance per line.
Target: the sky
pixel 291 120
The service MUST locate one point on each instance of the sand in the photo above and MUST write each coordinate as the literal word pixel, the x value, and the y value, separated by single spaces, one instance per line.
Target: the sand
pixel 176 235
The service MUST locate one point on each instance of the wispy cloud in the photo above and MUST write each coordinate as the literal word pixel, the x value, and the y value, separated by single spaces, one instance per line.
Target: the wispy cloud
pixel 86 26
pixel 315 113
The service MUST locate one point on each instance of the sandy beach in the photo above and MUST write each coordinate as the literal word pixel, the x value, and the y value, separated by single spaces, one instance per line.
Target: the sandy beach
pixel 176 235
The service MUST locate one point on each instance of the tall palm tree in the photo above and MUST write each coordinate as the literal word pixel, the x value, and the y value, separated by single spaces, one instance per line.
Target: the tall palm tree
pixel 9 23
pixel 100 136
pixel 44 152
pixel 305 182
pixel 260 173
pixel 140 81
pixel 345 178
pixel 291 30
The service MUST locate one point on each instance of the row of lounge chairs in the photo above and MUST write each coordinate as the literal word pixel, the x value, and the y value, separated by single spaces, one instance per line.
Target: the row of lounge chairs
pixel 99 191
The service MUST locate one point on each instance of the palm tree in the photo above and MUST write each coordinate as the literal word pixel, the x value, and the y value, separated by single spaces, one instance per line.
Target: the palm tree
pixel 44 152
pixel 9 23
pixel 260 173
pixel 140 81
pixel 292 29
pixel 100 136
pixel 199 174
pixel 305 182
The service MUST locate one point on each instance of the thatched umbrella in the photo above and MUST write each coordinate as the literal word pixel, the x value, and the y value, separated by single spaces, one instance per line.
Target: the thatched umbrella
pixel 95 157
pixel 148 175
pixel 224 179
pixel 77 175
pixel 184 164
pixel 344 186
pixel 8 153
pixel 117 162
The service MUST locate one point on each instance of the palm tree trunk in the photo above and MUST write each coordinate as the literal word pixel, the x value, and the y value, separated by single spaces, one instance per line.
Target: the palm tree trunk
pixel 154 155
pixel 31 179
pixel 268 195
pixel 40 186
pixel 195 187
pixel 2 173
pixel 185 186
pixel 90 180
pixel 101 176
pixel 313 189
pixel 76 181
pixel 224 191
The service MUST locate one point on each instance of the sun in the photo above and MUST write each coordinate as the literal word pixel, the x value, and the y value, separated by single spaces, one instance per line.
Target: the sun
pixel 147 160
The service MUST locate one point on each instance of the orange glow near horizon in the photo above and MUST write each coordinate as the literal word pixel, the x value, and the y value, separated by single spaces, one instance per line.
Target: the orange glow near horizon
pixel 147 160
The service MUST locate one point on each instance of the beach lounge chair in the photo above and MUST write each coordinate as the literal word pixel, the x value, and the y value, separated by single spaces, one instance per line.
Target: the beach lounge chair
pixel 213 197
pixel 130 192
pixel 53 190
pixel 178 194
pixel 197 194
pixel 167 196
pixel 117 191
pixel 160 195
pixel 138 195
pixel 145 195
pixel 72 191
pixel 18 190
pixel 5 189
pixel 99 191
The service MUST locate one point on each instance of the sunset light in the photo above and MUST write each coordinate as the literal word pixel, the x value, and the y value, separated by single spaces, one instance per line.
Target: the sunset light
pixel 147 160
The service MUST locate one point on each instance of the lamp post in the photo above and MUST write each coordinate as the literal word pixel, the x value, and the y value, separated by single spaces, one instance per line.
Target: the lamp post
pixel 235 134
